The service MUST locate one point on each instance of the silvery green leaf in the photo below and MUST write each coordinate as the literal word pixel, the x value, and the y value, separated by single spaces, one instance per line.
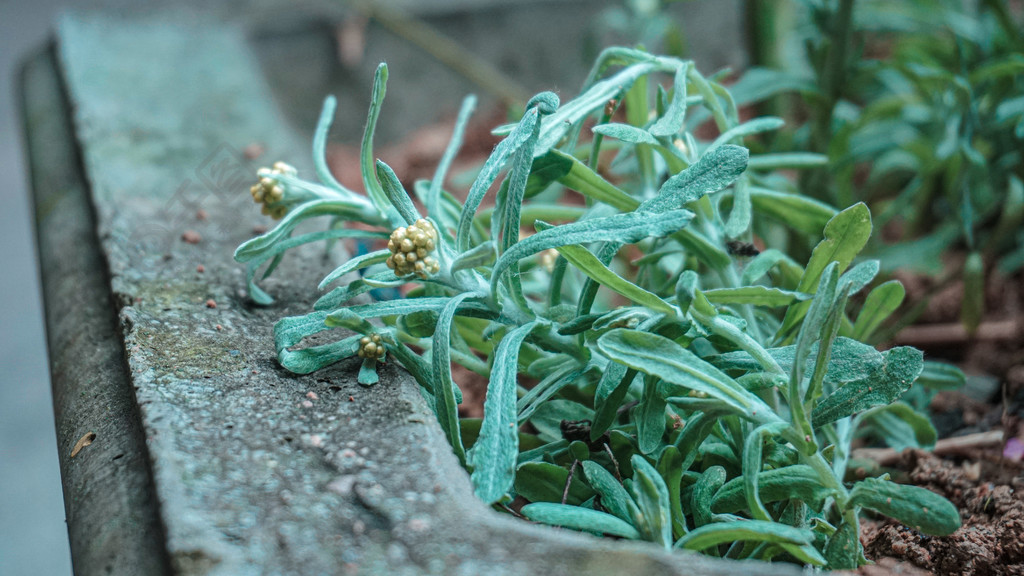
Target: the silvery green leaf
pixel 752 466
pixel 672 120
pixel 703 494
pixel 750 530
pixel 713 172
pixel 902 365
pixel 850 360
pixel 739 216
pixel 480 255
pixel 396 193
pixel 661 357
pixel 579 519
pixel 257 246
pixel 761 264
pixel 858 277
pixel 754 295
pixel 370 183
pixel 755 126
pixel 570 172
pixel 323 126
pixel 445 405
pixel 649 416
pixel 355 263
pixel 368 372
pixel 625 133
pixel 614 497
pixel 433 196
pixel 493 457
pixel 792 482
pixel 651 497
pixel 686 289
pixel 914 506
pixel 843 547
pixel 611 390
pixel 290 331
pixel 882 301
pixel 628 228
pixel 592 266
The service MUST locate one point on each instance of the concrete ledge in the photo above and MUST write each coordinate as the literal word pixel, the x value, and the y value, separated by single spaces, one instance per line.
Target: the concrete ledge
pixel 208 457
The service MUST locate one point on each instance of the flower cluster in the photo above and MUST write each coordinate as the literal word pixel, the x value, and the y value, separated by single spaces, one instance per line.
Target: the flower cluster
pixel 269 191
pixel 412 248
pixel 371 347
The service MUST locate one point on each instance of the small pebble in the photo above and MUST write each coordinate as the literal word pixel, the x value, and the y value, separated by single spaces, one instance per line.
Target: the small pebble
pixel 211 303
pixel 191 237
pixel 312 395
pixel 201 215
pixel 200 268
pixel 351 399
pixel 219 328
pixel 307 404
pixel 253 151
pixel 259 229
pixel 316 440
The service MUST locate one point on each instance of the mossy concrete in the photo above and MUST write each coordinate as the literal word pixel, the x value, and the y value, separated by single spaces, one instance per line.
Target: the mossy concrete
pixel 209 458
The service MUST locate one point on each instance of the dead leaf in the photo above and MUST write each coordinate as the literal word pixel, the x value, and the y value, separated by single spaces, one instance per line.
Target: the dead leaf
pixel 82 443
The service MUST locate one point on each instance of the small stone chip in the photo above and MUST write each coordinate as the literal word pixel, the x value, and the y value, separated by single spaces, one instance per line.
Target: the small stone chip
pixel 82 443
pixel 200 268
pixel 201 215
pixel 211 303
pixel 191 237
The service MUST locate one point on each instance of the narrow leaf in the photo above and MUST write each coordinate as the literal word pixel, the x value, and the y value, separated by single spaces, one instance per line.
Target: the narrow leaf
pixel 579 519
pixel 914 506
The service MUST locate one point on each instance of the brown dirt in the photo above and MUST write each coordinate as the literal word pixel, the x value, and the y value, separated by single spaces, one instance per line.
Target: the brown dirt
pixel 990 496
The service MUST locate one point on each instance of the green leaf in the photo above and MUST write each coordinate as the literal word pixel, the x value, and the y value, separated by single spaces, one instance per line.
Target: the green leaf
pixel 649 416
pixel 630 227
pixel 845 235
pixel 355 263
pixel 787 160
pixel 396 193
pixel 850 360
pixel 445 405
pixel 480 255
pixel 651 496
pixel 258 246
pixel 493 457
pixel 714 171
pixel 661 357
pixel 368 372
pixel 614 497
pixel 743 531
pixel 858 277
pixel 543 482
pixel 290 331
pixel 941 376
pixel 370 183
pixel 433 199
pixel 754 295
pixel 570 172
pixel 901 367
pixel 880 303
pixel 704 490
pixel 798 482
pixel 752 466
pixel 323 126
pixel 973 307
pixel 761 264
pixel 611 390
pixel 590 265
pixel 579 519
pixel 900 426
pixel 914 506
pixel 755 126
pixel 800 213
pixel 489 172
pixel 672 120
pixel 843 548
pixel 739 216
pixel 626 133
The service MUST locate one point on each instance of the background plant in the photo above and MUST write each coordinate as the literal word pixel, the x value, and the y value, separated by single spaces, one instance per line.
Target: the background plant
pixel 919 106
pixel 689 390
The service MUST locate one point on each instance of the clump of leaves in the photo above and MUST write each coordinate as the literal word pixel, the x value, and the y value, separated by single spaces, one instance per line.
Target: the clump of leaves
pixel 689 390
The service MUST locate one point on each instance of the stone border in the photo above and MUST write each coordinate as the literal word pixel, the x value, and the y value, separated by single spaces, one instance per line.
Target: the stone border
pixel 208 457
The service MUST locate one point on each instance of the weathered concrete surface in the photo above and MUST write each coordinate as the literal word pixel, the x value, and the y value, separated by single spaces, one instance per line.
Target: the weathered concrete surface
pixel 254 470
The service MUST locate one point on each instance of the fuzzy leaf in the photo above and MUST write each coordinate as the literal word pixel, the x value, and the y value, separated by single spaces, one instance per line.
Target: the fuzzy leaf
pixel 941 376
pixel 741 531
pixel 355 264
pixel 649 416
pixel 914 506
pixel 396 193
pixel 625 133
pixel 543 482
pixel 902 365
pixel 674 117
pixel 754 295
pixel 792 482
pixel 651 496
pixel 614 497
pixel 445 404
pixel 493 457
pixel 714 171
pixel 882 301
pixel 579 518
pixel 798 212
